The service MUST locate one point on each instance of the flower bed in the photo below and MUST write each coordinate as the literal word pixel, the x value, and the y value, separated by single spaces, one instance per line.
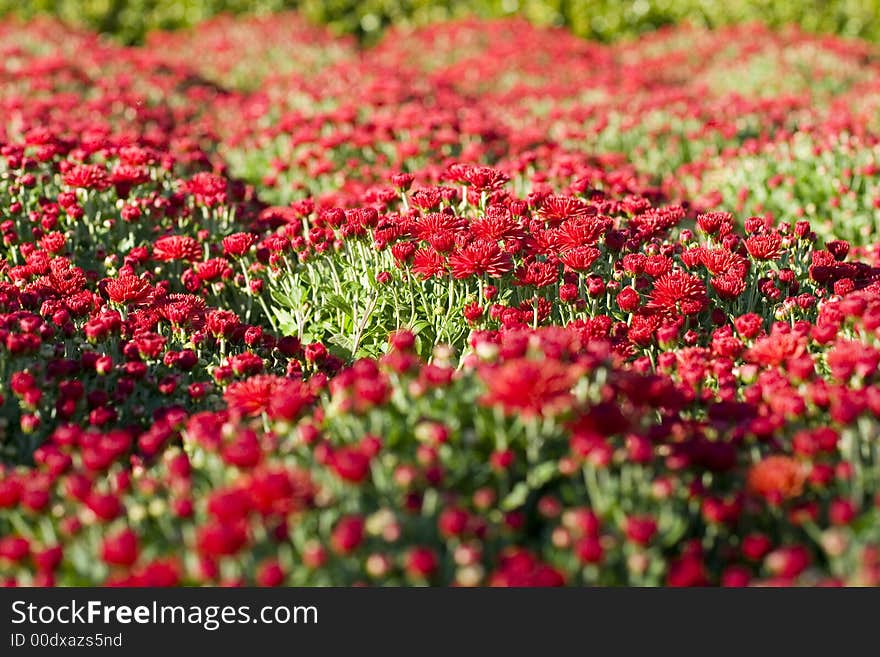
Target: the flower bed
pixel 462 309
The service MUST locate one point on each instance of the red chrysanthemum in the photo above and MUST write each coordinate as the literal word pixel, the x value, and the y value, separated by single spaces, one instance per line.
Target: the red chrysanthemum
pixel 87 176
pixel 767 246
pixel 776 348
pixel 776 478
pixel 207 188
pixel 176 247
pixel 278 397
pixel 496 226
pixel 529 387
pixel 537 274
pixel 128 289
pixel 428 263
pixel 723 262
pixel 556 209
pixel 237 244
pixel 580 258
pixel 679 293
pixel 478 258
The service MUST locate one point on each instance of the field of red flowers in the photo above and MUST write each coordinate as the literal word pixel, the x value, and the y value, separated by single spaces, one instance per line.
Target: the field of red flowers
pixel 485 304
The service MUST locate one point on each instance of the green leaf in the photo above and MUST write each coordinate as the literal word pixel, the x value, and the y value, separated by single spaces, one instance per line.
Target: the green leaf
pixel 542 474
pixel 515 498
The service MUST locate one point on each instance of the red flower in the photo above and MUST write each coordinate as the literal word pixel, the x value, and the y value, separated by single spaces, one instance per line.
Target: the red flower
pixel 713 223
pixel 589 550
pixel 519 568
pixel 270 573
pixel 350 464
pixel 14 548
pixel 348 534
pixel 237 244
pixel 87 176
pixel 556 209
pixel 537 274
pixel 767 246
pixel 788 562
pixel 128 289
pixel 679 293
pixel 529 387
pixel 580 258
pixel 776 348
pixel 453 522
pixel 776 478
pixel 640 529
pixel 176 247
pixel 207 188
pixel 628 300
pixel 687 571
pixel 428 263
pixel 220 539
pixel 421 562
pixel 278 397
pixel 478 258
pixel 723 262
pixel 121 548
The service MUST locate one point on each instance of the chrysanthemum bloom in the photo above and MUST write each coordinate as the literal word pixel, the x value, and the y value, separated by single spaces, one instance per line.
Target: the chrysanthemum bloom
pixel 776 478
pixel 53 242
pixel 767 246
pixel 713 223
pixel 347 534
pixel 120 548
pixel 628 300
pixel 278 397
pixel 350 463
pixel 581 231
pixel 478 258
pixel 529 387
pixel 643 328
pixel 838 248
pixel 182 309
pixel 403 251
pixel 657 265
pixel 212 270
pixel 723 262
pixel 497 225
pixel 776 348
pixel 207 188
pixel 437 222
pixel 728 286
pixel 537 274
pixel 679 293
pixel 128 289
pixel 176 247
pixel 237 244
pixel 87 176
pixel 421 562
pixel 849 357
pixel 580 258
pixel 481 178
pixel 640 529
pixel 556 209
pixel 427 263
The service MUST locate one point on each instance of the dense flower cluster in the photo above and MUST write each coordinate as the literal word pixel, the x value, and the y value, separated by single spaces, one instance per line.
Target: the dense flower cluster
pixel 484 305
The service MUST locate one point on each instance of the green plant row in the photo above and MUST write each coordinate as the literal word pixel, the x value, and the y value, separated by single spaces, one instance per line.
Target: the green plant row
pixel 130 20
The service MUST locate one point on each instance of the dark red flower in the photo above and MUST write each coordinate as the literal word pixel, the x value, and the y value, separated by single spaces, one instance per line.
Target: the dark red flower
pixel 679 293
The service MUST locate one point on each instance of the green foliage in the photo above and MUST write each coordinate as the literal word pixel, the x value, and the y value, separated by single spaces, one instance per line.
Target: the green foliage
pixel 600 19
